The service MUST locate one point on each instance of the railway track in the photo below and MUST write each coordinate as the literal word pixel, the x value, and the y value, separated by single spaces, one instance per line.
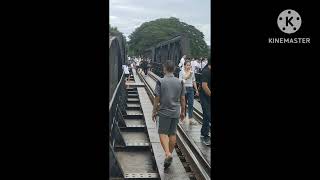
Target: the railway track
pixel 200 167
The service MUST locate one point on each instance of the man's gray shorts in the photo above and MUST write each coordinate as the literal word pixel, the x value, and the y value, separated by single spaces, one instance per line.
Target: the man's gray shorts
pixel 167 125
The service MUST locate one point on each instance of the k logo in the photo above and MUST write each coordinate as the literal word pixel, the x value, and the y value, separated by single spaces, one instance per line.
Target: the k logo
pixel 289 21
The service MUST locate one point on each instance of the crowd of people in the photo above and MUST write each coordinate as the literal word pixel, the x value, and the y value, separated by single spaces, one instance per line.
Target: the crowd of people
pixel 197 64
pixel 140 64
pixel 143 64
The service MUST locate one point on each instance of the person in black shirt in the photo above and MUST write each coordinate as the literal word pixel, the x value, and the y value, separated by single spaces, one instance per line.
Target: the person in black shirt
pixel 144 66
pixel 205 100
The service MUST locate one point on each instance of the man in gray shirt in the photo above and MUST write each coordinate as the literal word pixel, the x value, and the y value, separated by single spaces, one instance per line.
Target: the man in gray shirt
pixel 170 95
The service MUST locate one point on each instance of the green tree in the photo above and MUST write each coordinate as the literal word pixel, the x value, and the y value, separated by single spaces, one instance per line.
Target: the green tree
pixel 113 31
pixel 153 32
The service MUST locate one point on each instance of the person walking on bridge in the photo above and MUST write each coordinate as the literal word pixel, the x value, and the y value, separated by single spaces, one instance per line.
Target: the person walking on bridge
pixel 205 100
pixel 144 66
pixel 189 79
pixel 169 104
pixel 126 73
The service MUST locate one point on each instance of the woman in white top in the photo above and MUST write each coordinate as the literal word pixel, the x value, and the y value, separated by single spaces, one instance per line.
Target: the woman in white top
pixel 188 77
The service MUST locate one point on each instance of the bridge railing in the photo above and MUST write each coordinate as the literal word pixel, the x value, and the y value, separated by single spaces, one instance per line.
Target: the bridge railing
pixel 116 110
pixel 157 68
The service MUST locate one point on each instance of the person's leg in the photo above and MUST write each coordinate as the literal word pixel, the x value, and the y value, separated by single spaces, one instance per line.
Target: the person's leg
pixel 172 134
pixel 172 142
pixel 163 130
pixel 187 101
pixel 190 102
pixel 209 115
pixel 206 117
pixel 190 107
pixel 164 139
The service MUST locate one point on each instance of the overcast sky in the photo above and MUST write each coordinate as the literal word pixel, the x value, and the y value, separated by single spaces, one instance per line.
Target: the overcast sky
pixel 127 15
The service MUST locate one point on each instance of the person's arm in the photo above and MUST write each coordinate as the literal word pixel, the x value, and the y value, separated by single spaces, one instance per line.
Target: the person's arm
pixel 204 84
pixel 182 102
pixel 156 103
pixel 156 100
pixel 183 107
pixel 195 84
pixel 206 88
pixel 180 75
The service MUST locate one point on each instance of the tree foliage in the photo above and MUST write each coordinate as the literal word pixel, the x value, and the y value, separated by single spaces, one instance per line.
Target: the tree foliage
pixel 114 31
pixel 153 32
